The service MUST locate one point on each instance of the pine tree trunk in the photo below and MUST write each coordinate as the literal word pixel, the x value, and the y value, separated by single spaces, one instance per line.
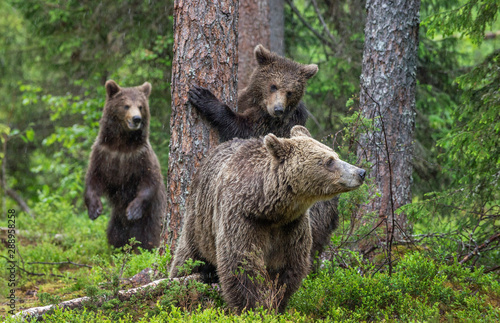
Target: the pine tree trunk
pixel 260 22
pixel 388 87
pixel 206 54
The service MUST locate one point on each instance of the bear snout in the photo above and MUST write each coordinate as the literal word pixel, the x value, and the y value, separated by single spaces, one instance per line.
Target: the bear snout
pixel 136 120
pixel 278 110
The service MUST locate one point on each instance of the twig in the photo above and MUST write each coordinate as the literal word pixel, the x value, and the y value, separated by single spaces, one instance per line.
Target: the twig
pixel 58 263
pixel 325 28
pixel 315 32
pixel 390 176
pixel 476 250
pixel 19 200
pixel 313 118
pixel 33 273
pixel 492 269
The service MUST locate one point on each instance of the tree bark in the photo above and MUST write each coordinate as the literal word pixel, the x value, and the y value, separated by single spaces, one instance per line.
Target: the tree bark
pixel 260 22
pixel 205 53
pixel 388 87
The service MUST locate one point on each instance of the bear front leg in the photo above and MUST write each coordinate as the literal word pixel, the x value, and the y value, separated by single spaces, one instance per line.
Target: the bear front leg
pixel 94 186
pixel 205 102
pixel 228 124
pixel 135 208
pixel 240 282
pixel 185 250
pixel 92 198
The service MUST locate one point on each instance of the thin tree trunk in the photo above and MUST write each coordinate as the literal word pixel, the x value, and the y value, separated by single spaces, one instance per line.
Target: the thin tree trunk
pixel 388 87
pixel 205 53
pixel 260 22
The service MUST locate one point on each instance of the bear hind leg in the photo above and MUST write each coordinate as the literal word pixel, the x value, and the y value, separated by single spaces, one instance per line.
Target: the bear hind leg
pixel 117 232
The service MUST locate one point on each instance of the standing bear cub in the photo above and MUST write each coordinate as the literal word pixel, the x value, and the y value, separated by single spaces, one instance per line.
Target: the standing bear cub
pixel 271 103
pixel 124 168
pixel 248 208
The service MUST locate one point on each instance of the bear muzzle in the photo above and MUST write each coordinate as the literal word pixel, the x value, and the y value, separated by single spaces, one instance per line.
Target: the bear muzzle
pixel 278 111
pixel 134 123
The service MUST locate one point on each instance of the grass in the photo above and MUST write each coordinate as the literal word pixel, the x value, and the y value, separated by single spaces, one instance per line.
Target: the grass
pixel 421 288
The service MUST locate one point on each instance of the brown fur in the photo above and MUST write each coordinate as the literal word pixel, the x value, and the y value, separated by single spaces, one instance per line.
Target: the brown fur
pixel 124 168
pixel 251 197
pixel 256 118
pixel 270 104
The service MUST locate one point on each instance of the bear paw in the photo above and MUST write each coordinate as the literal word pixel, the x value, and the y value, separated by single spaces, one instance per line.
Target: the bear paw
pixel 134 210
pixel 201 97
pixel 95 209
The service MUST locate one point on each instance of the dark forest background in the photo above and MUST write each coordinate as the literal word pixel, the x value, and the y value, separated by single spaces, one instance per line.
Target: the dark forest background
pixel 55 57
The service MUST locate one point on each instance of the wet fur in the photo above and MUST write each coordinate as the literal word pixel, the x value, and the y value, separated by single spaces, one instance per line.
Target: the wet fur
pixel 253 120
pixel 253 196
pixel 124 168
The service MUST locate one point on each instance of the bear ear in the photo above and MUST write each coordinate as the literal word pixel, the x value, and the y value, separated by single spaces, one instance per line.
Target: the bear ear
pixel 300 131
pixel 277 147
pixel 262 55
pixel 310 70
pixel 111 88
pixel 146 89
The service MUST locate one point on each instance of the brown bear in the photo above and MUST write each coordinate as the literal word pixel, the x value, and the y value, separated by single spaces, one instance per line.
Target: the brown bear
pixel 270 104
pixel 124 168
pixel 249 206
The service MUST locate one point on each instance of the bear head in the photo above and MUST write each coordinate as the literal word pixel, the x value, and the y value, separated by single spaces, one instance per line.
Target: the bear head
pixel 127 108
pixel 279 83
pixel 311 169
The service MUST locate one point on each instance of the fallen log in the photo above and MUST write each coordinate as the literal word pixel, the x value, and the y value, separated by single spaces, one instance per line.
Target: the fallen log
pixel 36 313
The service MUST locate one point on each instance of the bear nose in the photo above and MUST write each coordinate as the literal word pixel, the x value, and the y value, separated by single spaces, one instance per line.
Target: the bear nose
pixel 136 120
pixel 278 110
pixel 362 174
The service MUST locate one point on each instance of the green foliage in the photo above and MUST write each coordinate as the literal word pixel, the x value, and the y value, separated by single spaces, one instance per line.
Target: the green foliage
pixel 464 208
pixel 47 299
pixel 113 275
pixel 173 315
pixel 338 54
pixel 419 290
pixel 471 19
pixel 189 295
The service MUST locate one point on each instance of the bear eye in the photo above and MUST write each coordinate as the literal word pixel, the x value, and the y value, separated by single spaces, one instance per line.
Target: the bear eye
pixel 274 88
pixel 288 94
pixel 330 162
pixel 140 107
pixel 126 107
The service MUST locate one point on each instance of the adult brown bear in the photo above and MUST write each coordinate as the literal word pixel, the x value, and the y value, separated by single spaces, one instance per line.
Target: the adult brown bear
pixel 248 207
pixel 271 103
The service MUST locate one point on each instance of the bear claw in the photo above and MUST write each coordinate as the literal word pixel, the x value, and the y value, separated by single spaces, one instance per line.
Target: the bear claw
pixel 200 96
pixel 134 211
pixel 95 211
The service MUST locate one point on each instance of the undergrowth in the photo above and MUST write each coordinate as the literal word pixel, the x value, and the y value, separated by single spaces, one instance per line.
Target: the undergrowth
pixel 420 289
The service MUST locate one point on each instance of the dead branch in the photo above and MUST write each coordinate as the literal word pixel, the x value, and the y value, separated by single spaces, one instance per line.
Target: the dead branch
pixel 476 250
pixel 492 269
pixel 58 263
pixel 323 23
pixel 311 28
pixel 36 313
pixel 19 200
pixel 30 273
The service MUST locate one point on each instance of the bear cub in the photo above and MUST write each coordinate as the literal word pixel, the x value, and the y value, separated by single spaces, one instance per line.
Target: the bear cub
pixel 248 210
pixel 271 103
pixel 124 168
